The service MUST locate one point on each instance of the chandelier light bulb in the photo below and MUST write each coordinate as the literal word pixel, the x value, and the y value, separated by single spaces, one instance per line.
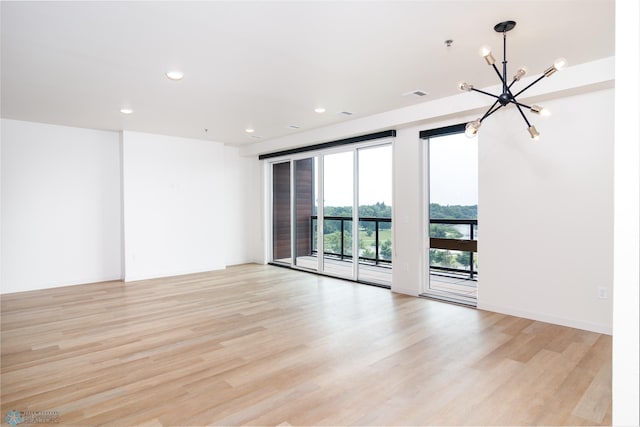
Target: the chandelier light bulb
pixel 544 112
pixel 522 71
pixel 465 87
pixel 560 64
pixel 535 135
pixel 485 51
pixel 471 129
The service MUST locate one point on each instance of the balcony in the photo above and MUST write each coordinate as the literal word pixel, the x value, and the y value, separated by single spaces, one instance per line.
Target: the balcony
pixel 453 252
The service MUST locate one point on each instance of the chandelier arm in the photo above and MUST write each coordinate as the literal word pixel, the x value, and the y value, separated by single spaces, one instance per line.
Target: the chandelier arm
pixel 483 92
pixel 529 85
pixel 521 104
pixel 502 79
pixel 522 114
pixel 517 104
pixel 491 110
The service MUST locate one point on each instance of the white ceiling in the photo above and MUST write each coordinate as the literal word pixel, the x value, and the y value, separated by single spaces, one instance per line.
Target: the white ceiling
pixel 267 64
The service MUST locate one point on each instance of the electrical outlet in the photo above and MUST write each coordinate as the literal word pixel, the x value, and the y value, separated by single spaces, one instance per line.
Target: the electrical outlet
pixel 603 292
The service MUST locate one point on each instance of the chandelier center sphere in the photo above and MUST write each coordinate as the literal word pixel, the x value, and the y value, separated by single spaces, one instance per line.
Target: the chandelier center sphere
pixel 505 98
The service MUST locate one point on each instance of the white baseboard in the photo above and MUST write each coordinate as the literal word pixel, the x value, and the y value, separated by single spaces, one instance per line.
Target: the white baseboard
pixel 547 318
pixel 404 291
pixel 135 278
pixel 60 284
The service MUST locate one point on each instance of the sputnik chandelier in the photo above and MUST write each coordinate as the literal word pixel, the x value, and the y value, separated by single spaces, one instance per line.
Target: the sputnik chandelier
pixel 507 96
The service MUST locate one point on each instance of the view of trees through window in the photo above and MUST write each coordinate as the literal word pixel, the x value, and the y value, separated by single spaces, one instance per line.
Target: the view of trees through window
pixel 453 195
pixel 447 258
pixel 338 243
pixel 339 233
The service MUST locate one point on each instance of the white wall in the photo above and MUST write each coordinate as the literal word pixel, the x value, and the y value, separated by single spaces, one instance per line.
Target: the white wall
pixel 546 213
pixel 191 206
pixel 243 208
pixel 408 211
pixel 174 213
pixel 626 317
pixel 60 206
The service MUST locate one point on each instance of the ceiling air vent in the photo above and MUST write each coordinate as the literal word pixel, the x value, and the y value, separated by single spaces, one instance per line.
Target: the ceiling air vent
pixel 417 93
pixel 346 113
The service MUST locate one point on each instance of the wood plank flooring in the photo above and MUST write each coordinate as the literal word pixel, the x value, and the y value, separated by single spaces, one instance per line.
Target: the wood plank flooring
pixel 262 345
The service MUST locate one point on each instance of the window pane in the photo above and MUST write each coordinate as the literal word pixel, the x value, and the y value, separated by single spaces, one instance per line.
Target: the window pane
pixel 338 202
pixel 282 212
pixel 374 213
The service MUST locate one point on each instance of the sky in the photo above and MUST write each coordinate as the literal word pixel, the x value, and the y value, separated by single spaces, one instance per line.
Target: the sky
pixel 375 176
pixel 453 172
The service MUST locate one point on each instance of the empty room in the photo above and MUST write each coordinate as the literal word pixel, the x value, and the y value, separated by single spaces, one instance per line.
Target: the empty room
pixel 319 213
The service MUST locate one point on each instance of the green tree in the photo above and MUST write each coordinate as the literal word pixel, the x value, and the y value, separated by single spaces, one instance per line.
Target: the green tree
pixel 464 259
pixel 441 257
pixel 385 250
pixel 444 231
pixel 333 243
pixel 438 211
pixel 368 253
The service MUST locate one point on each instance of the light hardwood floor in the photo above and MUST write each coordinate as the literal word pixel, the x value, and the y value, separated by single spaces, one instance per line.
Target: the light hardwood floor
pixel 263 345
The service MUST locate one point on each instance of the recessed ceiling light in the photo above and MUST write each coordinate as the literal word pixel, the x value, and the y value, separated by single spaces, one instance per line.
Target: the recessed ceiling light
pixel 320 110
pixel 126 110
pixel 249 130
pixel 175 74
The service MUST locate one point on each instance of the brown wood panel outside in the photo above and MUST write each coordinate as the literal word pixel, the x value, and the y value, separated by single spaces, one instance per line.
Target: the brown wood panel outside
pixel 304 188
pixel 281 210
pixel 454 244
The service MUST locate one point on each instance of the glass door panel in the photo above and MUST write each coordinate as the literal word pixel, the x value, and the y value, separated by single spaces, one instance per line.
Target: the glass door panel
pixel 453 220
pixel 338 214
pixel 306 210
pixel 374 214
pixel 281 212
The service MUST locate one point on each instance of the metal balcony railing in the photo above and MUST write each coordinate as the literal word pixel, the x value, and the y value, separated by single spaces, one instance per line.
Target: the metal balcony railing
pixel 345 250
pixel 468 244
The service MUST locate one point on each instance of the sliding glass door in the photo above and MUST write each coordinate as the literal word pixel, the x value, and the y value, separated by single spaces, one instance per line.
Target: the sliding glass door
pixel 281 212
pixel 305 202
pixel 338 214
pixel 374 214
pixel 331 213
pixel 452 196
